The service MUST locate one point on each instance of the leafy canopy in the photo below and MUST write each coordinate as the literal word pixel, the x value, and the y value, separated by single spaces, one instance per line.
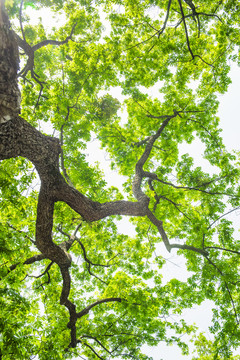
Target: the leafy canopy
pixel 101 58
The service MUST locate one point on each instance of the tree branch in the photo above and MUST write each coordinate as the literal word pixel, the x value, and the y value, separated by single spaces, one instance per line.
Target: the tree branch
pixel 157 33
pixel 223 249
pixel 166 18
pixel 30 50
pixel 187 37
pixel 21 232
pixel 136 186
pixel 155 177
pixel 54 42
pixel 29 261
pixel 20 20
pixel 99 342
pixel 221 216
pixel 90 347
pixel 98 302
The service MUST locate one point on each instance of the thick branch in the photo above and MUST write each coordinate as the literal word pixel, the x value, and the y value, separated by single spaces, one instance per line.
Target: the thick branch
pixel 44 230
pixel 136 186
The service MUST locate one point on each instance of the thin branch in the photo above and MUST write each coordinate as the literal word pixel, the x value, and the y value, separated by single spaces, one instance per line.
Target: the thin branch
pixel 20 20
pixel 223 249
pixel 21 232
pixel 132 356
pixel 54 42
pixel 187 37
pixel 92 274
pixel 166 19
pixel 98 302
pixel 29 261
pixel 194 14
pixel 85 256
pixel 141 106
pixel 157 33
pixel 175 113
pixel 209 133
pixel 205 184
pixel 67 244
pixel 220 217
pixel 176 206
pixel 142 42
pixel 77 229
pixel 90 347
pixel 155 177
pixel 186 30
pixel 41 83
pixel 84 82
pixel 44 272
pixel 199 13
pixel 99 342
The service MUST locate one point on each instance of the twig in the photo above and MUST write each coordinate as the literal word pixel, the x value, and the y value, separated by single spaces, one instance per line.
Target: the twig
pixel 209 133
pixel 22 232
pixel 45 271
pixel 227 213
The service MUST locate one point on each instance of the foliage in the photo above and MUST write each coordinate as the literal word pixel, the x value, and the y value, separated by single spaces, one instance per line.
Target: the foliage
pixel 104 58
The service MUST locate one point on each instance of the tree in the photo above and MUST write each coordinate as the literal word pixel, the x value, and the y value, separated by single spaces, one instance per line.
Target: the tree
pixel 71 283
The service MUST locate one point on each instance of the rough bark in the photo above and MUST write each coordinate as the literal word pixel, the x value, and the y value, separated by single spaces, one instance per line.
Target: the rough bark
pixel 9 64
pixel 18 138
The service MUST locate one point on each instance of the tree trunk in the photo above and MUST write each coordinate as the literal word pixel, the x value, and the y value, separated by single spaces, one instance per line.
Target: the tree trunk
pixel 9 64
